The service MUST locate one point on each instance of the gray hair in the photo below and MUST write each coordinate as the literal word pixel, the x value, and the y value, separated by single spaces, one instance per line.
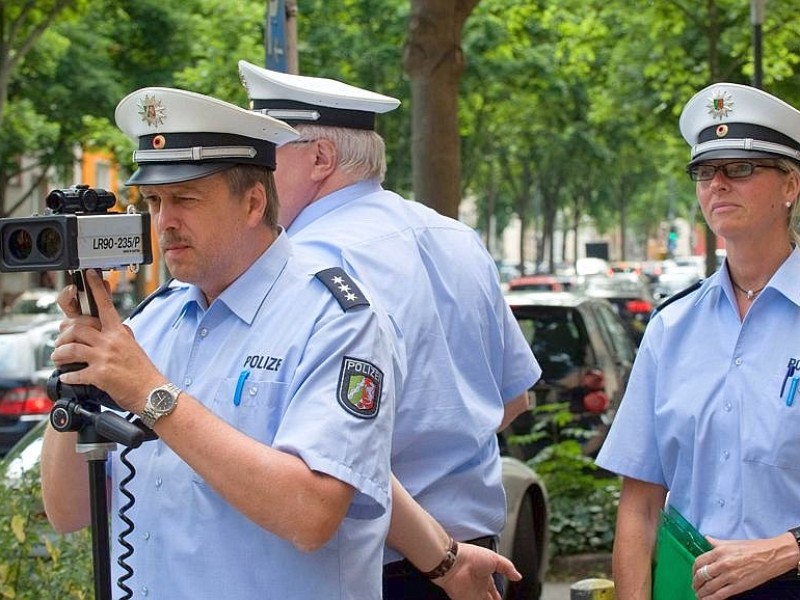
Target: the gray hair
pixel 361 153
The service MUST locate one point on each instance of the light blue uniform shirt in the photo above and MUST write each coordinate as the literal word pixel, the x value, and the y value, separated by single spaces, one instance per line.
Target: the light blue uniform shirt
pixel 465 353
pixel 703 413
pixel 282 328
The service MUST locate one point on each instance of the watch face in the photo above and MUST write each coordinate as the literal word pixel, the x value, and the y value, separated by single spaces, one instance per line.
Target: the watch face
pixel 161 400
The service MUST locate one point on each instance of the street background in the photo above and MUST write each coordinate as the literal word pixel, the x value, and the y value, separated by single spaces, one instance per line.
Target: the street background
pixel 556 591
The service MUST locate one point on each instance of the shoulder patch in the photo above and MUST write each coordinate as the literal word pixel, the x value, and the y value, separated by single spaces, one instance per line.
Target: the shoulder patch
pixel 360 387
pixel 163 289
pixel 342 287
pixel 678 295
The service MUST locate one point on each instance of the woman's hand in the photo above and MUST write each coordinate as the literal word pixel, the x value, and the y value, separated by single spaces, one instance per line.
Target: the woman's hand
pixel 735 566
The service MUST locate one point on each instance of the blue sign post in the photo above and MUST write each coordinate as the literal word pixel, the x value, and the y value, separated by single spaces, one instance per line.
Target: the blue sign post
pixel 276 58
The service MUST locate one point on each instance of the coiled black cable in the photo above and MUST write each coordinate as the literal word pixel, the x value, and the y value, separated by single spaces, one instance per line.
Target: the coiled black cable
pixel 129 526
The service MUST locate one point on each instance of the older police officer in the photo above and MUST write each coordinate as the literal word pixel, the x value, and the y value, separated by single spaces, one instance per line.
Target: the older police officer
pixel 270 387
pixel 710 414
pixel 469 367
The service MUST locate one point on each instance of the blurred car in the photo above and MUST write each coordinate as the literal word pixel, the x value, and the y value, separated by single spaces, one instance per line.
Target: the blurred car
pixel 125 302
pixel 536 283
pixel 506 272
pixel 586 267
pixel 586 357
pixel 695 263
pixel 625 267
pixel 673 280
pixel 630 296
pixel 33 306
pixel 25 366
pixel 525 538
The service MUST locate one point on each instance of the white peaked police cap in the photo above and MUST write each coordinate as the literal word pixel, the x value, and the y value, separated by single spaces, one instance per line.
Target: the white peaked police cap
pixel 729 120
pixel 183 135
pixel 300 99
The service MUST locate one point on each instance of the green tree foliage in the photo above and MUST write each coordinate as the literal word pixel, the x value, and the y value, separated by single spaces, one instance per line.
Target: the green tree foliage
pixel 63 89
pixel 364 48
pixel 570 107
pixel 582 499
pixel 34 562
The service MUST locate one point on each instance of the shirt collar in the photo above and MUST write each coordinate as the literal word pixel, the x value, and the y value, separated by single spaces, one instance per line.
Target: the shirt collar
pixel 245 296
pixel 784 280
pixel 331 202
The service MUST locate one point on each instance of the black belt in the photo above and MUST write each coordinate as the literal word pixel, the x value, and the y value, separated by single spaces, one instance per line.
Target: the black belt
pixel 791 575
pixel 403 568
pixel 785 587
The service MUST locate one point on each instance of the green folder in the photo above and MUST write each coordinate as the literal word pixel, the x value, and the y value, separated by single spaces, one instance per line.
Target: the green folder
pixel 678 543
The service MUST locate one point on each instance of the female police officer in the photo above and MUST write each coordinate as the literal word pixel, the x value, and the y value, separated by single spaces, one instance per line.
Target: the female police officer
pixel 711 414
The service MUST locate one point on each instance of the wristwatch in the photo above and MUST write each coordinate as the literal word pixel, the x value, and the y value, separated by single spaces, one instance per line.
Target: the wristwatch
pixel 160 402
pixel 795 531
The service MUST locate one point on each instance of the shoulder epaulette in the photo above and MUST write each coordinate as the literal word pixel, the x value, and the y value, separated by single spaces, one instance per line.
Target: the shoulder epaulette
pixel 161 290
pixel 678 296
pixel 342 287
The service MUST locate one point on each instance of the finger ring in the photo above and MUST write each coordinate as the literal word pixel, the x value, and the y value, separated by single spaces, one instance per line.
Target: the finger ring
pixel 705 574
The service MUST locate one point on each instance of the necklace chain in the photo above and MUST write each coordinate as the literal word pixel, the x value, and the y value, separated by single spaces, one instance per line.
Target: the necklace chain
pixel 751 294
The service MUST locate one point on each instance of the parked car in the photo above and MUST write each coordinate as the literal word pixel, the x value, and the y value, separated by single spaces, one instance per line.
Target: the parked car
pixel 630 296
pixel 673 280
pixel 586 357
pixel 536 283
pixel 24 367
pixel 525 538
pixel 33 306
pixel 625 267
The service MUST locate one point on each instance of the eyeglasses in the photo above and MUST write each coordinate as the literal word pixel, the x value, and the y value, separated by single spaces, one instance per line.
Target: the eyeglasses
pixel 732 170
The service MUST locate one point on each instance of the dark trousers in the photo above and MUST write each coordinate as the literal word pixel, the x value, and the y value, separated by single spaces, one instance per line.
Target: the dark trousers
pixel 784 587
pixel 403 581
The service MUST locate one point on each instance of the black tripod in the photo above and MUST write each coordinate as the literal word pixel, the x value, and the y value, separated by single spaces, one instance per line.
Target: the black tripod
pixel 77 408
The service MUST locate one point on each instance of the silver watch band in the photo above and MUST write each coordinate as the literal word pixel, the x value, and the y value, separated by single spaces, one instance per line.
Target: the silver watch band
pixel 149 414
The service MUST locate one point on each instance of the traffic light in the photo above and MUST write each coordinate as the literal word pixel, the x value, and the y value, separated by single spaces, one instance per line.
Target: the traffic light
pixel 672 239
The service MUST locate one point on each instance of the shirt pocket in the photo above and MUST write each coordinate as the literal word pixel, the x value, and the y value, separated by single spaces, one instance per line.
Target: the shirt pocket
pixel 254 407
pixel 770 428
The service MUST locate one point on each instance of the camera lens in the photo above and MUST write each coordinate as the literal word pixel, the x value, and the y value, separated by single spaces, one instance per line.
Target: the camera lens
pixel 56 201
pixel 49 242
pixel 89 200
pixel 20 244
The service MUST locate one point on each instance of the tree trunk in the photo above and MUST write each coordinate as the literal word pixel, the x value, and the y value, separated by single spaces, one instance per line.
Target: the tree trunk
pixel 713 62
pixel 434 62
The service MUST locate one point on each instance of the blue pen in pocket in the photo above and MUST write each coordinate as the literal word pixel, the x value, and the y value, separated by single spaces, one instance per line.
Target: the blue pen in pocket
pixel 792 390
pixel 237 395
pixel 790 369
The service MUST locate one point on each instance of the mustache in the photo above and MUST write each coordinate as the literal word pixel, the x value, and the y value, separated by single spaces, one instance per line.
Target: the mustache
pixel 170 239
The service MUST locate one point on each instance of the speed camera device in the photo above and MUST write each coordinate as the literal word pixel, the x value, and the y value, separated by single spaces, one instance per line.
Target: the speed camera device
pixel 76 232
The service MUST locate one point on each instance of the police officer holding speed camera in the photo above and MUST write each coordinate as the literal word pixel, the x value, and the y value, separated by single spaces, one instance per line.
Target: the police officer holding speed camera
pixel 270 386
